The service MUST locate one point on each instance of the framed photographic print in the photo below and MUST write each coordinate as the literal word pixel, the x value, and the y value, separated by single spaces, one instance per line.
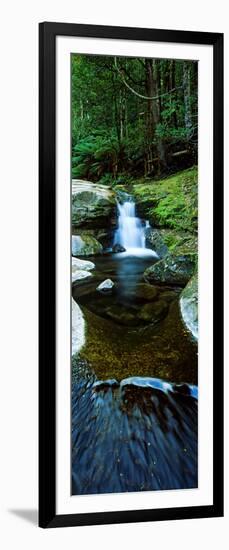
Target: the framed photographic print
pixel 131 275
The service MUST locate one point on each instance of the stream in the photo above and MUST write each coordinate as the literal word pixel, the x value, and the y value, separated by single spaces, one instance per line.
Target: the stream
pixel 134 384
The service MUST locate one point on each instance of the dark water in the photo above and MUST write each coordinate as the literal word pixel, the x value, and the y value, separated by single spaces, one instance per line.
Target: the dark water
pixel 134 394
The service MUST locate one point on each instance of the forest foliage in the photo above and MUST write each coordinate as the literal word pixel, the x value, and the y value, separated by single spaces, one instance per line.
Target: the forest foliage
pixel 132 117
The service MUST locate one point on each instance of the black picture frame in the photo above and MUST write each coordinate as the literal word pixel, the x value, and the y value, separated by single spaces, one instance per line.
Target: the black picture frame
pixel 47 261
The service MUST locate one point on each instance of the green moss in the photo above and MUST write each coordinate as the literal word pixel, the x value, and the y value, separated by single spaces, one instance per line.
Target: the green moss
pixel 171 202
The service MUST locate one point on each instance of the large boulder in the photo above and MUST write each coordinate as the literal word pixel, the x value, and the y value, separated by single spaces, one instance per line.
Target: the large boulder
pixel 81 269
pixel 85 245
pixel 78 328
pixel 189 306
pixel 174 269
pixel 92 205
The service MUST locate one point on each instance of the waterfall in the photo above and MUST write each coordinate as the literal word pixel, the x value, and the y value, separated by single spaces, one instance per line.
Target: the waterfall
pixel 131 230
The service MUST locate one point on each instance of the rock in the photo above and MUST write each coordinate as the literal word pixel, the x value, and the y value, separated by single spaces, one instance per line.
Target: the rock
pixel 92 205
pixel 78 328
pixel 81 269
pixel 105 385
pixel 179 241
pixel 155 241
pixel 173 269
pixel 86 265
pixel 189 306
pixel 122 315
pixel 142 291
pixel 153 312
pixel 171 202
pixel 118 248
pixel 85 245
pixel 79 274
pixel 140 382
pixel 105 286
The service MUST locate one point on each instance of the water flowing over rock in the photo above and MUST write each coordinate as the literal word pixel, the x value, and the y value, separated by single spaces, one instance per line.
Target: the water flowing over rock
pixel 189 306
pixel 130 232
pixel 93 205
pixel 78 328
pixel 141 435
pixel 85 245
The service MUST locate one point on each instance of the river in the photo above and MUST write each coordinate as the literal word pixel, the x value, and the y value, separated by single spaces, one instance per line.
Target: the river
pixel 134 384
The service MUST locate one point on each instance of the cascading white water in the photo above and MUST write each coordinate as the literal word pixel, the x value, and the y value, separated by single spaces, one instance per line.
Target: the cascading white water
pixel 131 231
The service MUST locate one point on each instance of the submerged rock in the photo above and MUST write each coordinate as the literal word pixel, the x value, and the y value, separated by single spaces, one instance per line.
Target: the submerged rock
pixel 105 286
pixel 92 205
pixel 173 269
pixel 122 315
pixel 142 291
pixel 85 245
pixel 118 248
pixel 153 312
pixel 78 328
pixel 189 306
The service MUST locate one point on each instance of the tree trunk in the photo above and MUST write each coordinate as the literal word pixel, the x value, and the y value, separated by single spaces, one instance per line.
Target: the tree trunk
pixel 156 114
pixel 149 116
pixel 187 102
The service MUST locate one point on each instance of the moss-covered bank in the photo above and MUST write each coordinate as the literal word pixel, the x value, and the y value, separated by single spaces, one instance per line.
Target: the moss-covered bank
pixel 169 203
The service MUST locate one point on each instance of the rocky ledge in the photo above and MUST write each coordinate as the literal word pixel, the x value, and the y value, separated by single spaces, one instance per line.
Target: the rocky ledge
pixel 93 205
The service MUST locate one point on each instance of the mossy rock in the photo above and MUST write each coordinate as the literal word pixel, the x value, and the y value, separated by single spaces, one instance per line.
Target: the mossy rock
pixel 171 202
pixel 155 241
pixel 174 269
pixel 85 245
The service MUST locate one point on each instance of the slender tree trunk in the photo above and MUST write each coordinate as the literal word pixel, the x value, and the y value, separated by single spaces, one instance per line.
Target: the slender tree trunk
pixel 187 93
pixel 172 85
pixel 149 116
pixel 156 114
